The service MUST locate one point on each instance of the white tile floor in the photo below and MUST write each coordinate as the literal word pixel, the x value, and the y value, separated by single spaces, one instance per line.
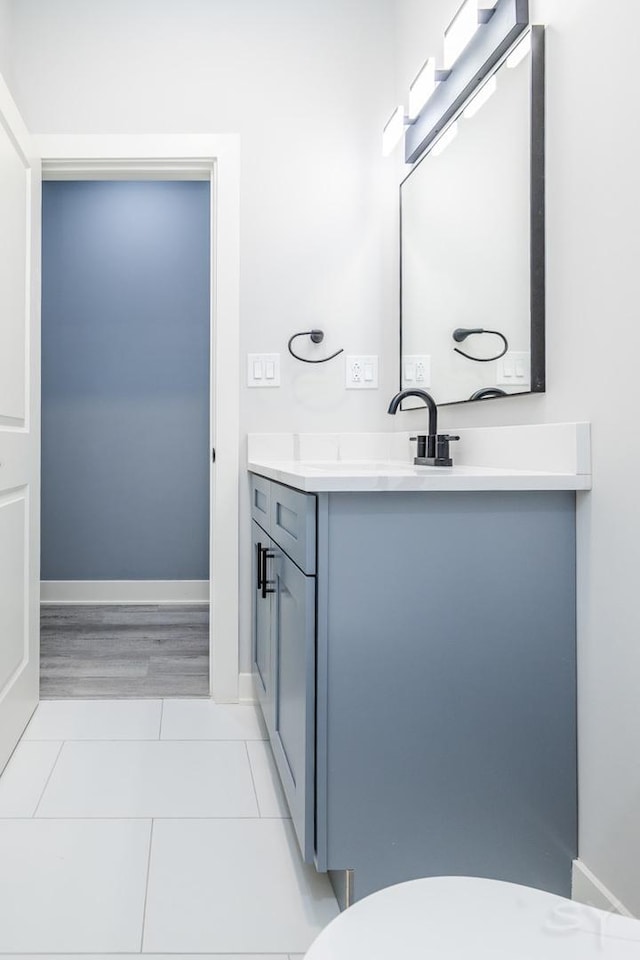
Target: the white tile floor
pixel 151 826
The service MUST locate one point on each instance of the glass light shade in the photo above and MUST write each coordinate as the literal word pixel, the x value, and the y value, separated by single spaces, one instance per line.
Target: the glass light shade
pixel 393 131
pixel 460 31
pixel 443 142
pixel 481 97
pixel 422 88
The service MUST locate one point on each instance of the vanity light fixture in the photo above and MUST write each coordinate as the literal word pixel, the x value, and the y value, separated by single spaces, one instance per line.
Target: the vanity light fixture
pixel 422 87
pixel 463 27
pixel 481 97
pixel 479 36
pixel 520 52
pixel 394 129
pixel 460 31
pixel 457 38
pixel 443 142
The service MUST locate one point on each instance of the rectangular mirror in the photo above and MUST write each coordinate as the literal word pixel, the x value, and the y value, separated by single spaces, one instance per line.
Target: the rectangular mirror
pixel 472 243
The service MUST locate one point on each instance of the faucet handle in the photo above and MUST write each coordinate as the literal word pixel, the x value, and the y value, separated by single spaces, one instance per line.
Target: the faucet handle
pixel 422 444
pixel 443 456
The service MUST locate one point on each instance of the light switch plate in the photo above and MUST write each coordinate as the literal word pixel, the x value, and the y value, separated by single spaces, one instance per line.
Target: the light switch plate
pixel 514 369
pixel 263 369
pixel 362 373
pixel 416 370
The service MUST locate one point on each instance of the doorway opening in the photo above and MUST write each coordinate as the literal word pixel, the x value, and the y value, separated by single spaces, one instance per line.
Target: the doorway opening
pixel 126 437
pixel 215 157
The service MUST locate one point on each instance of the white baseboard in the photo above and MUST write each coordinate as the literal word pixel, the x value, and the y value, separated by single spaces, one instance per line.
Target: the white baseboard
pixel 586 888
pixel 246 691
pixel 124 591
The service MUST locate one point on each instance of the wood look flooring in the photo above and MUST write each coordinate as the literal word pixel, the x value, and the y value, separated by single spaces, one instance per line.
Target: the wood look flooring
pixel 154 650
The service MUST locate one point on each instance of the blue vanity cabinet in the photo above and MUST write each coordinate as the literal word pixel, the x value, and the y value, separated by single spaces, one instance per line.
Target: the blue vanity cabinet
pixel 424 684
pixel 284 642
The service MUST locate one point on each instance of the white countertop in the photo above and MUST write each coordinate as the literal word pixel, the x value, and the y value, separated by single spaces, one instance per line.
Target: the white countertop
pixel 371 475
pixel 351 463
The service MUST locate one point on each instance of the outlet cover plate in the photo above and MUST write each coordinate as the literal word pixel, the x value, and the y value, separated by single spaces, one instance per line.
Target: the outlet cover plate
pixel 514 370
pixel 416 370
pixel 263 369
pixel 361 372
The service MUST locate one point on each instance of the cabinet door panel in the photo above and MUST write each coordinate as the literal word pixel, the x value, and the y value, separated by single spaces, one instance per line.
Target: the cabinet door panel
pixel 261 500
pixel 262 653
pixel 293 524
pixel 294 739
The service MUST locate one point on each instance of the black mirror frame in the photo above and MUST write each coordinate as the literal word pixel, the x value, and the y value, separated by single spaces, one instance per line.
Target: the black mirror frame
pixel 537 212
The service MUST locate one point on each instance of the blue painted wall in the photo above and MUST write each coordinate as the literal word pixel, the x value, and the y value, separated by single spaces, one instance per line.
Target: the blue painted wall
pixel 125 381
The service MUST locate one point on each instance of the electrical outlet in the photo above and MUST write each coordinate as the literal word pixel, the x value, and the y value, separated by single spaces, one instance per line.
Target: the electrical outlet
pixel 416 370
pixel 362 373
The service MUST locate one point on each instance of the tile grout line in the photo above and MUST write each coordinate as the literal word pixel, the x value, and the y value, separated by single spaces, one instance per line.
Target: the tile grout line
pixel 141 817
pixel 44 789
pixel 246 747
pixel 146 888
pixel 149 740
pixel 161 719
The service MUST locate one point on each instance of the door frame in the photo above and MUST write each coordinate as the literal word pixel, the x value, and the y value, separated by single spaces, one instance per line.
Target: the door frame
pixel 217 158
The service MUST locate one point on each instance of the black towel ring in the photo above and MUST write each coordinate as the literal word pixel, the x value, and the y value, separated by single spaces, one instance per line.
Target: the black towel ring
pixel 317 336
pixel 463 332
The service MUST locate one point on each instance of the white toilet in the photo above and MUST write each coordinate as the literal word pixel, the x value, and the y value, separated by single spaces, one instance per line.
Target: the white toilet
pixel 467 918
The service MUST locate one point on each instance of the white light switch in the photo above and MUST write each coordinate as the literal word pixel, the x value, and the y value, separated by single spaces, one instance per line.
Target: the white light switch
pixel 416 370
pixel 362 373
pixel 263 370
pixel 514 369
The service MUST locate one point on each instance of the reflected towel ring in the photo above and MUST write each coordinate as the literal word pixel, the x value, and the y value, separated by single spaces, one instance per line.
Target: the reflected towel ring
pixel 463 332
pixel 317 336
pixel 487 393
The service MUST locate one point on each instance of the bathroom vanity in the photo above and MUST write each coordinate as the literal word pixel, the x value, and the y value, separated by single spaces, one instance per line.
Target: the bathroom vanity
pixel 414 660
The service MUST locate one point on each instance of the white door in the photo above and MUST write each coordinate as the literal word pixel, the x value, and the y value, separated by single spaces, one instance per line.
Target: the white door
pixel 20 185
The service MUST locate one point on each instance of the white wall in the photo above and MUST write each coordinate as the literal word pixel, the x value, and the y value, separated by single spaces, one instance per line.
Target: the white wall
pixel 593 345
pixel 5 40
pixel 308 85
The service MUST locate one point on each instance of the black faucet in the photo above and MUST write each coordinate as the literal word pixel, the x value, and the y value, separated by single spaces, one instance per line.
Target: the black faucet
pixel 433 448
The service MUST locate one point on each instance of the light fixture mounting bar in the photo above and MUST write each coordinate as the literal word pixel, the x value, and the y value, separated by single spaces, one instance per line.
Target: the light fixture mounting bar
pixel 490 42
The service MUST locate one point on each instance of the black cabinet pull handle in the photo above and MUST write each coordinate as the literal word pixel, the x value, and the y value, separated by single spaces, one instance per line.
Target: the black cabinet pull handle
pixel 266 555
pixel 259 584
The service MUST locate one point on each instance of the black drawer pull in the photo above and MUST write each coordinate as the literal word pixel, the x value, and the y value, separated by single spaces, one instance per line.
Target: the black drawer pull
pixel 266 588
